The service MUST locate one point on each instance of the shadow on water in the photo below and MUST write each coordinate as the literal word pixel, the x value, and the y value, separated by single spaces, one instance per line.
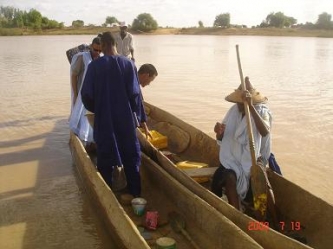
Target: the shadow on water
pixel 18 123
pixel 42 201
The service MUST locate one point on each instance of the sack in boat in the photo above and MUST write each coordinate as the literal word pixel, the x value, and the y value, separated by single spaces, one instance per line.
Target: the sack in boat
pixel 273 164
pixel 119 181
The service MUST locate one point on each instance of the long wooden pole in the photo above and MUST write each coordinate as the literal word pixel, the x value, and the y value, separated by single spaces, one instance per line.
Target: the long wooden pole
pixel 258 181
pixel 247 112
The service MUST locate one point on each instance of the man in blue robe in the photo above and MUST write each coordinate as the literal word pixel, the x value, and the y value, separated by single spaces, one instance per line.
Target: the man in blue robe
pixel 111 90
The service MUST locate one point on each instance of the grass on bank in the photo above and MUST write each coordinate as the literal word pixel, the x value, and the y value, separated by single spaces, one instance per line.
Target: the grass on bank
pixel 179 31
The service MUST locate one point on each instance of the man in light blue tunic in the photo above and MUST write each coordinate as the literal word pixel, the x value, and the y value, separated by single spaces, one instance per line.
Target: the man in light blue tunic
pixel 112 92
pixel 78 122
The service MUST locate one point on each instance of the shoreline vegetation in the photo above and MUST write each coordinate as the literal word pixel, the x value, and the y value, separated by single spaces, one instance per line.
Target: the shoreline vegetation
pixel 175 31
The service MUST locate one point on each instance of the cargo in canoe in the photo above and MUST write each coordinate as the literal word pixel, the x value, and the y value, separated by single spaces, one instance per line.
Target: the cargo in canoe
pixel 204 225
pixel 303 216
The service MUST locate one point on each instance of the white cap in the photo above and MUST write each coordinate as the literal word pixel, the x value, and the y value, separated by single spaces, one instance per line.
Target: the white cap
pixel 123 24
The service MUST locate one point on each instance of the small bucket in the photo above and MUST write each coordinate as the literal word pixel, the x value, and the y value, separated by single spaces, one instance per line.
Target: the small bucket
pixel 165 243
pixel 139 205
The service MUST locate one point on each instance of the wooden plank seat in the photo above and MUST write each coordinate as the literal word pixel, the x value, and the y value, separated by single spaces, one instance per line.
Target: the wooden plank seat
pixel 201 172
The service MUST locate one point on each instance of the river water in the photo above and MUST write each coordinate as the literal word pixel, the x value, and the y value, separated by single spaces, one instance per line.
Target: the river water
pixel 42 201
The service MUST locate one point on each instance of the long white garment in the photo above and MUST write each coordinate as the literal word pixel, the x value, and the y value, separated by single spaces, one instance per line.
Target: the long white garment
pixel 234 148
pixel 124 46
pixel 78 122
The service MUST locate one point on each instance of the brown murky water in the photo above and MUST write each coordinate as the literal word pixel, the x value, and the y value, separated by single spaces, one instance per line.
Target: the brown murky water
pixel 42 202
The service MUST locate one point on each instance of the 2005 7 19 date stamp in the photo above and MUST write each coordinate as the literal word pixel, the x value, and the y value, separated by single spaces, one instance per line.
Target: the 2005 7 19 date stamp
pixel 264 226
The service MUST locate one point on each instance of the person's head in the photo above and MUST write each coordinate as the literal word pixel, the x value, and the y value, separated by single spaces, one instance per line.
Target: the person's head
pixel 237 96
pixel 95 47
pixel 147 73
pixel 123 27
pixel 108 43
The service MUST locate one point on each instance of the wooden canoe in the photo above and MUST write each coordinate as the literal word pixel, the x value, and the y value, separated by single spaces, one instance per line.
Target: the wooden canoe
pixel 206 227
pixel 312 215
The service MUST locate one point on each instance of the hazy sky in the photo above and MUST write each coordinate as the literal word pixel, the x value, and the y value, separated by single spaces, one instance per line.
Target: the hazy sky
pixel 175 13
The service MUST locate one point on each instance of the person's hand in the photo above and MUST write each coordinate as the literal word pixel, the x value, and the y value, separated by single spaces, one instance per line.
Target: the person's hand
pixel 247 96
pixel 219 130
pixel 148 134
pixel 146 130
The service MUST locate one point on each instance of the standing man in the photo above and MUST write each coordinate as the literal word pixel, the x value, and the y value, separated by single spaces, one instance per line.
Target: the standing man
pixel 232 137
pixel 146 74
pixel 112 92
pixel 124 41
pixel 78 122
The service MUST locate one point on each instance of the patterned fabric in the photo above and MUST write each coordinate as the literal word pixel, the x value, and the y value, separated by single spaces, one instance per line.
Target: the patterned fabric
pixel 73 51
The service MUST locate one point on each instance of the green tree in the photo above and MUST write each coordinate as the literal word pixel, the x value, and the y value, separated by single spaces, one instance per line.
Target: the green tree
pixel 290 21
pixel 200 23
pixel 324 21
pixel 222 20
pixel 275 19
pixel 7 16
pixel 77 23
pixel 144 22
pixel 18 20
pixel 110 20
pixel 49 24
pixel 34 19
pixel 279 20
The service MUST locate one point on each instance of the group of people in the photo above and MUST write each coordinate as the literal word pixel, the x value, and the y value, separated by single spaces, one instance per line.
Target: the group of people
pixel 109 87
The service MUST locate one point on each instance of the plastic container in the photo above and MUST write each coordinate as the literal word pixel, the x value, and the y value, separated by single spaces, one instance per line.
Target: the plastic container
pixel 139 205
pixel 151 220
pixel 158 140
pixel 165 243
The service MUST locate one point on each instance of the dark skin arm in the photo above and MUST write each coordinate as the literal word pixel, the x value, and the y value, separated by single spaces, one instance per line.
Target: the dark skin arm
pixel 262 126
pixel 219 130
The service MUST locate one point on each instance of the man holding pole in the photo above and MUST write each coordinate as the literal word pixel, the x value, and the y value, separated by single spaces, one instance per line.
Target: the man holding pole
pixel 232 136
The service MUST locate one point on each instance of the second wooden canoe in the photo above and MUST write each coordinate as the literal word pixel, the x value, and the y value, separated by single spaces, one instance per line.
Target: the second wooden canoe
pixel 305 215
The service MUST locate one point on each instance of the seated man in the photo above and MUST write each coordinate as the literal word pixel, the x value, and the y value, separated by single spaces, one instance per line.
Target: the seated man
pixel 235 157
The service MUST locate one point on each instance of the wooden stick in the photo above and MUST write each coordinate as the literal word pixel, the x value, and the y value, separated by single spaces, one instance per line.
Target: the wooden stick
pixel 247 112
pixel 259 187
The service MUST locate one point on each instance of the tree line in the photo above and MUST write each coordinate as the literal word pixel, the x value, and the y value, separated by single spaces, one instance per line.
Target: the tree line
pixel 278 20
pixel 11 17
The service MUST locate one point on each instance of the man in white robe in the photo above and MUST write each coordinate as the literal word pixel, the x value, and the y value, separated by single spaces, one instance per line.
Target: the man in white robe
pixel 78 122
pixel 235 157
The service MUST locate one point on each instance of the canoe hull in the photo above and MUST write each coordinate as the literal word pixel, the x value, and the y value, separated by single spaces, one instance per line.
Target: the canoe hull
pixel 292 201
pixel 165 195
pixel 120 226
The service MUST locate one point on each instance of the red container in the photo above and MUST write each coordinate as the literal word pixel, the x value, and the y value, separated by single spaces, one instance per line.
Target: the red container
pixel 151 220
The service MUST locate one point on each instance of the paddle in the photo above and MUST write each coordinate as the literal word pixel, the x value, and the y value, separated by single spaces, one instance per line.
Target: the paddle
pixel 178 225
pixel 258 179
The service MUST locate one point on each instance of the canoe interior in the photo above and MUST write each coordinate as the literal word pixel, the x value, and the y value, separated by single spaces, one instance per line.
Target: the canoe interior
pixel 302 214
pixel 111 212
pixel 206 226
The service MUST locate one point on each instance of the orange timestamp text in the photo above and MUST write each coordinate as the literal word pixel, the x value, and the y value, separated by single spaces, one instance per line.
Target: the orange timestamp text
pixel 264 225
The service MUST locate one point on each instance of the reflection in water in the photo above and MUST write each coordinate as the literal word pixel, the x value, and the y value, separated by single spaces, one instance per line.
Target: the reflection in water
pixel 40 195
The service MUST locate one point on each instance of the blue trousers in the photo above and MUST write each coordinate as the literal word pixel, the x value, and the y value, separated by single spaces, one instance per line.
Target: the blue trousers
pixel 131 161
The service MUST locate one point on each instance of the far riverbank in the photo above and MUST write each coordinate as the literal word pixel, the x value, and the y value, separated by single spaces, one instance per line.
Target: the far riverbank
pixel 176 31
